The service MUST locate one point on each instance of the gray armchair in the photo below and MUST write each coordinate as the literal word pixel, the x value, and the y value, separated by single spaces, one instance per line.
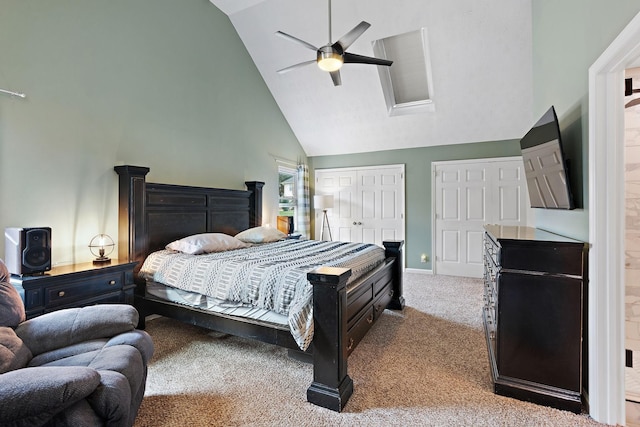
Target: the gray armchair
pixel 74 367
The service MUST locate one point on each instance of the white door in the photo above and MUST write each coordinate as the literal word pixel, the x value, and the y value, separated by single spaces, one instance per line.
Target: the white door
pixel 468 195
pixel 368 203
pixel 342 184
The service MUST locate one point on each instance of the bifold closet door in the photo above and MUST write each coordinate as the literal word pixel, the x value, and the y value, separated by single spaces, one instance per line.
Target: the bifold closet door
pixel 368 203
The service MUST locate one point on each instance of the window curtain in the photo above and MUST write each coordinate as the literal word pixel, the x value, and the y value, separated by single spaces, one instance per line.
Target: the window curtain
pixel 303 206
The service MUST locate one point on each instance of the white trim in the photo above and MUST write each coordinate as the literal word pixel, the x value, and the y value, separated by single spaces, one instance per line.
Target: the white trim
pixel 285 162
pixel 418 271
pixel 482 160
pixel 606 226
pixel 360 168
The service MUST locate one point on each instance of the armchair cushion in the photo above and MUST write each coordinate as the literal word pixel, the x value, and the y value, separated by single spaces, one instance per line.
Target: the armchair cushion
pixel 13 353
pixel 11 306
pixel 31 396
pixel 65 328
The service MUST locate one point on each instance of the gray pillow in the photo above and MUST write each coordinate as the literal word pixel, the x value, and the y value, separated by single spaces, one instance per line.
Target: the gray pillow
pixel 11 305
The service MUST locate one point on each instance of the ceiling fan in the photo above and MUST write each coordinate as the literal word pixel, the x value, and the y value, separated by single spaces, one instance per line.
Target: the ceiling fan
pixel 330 57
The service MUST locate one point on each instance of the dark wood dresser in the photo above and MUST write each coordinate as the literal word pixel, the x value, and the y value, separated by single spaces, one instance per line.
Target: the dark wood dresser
pixel 76 285
pixel 535 303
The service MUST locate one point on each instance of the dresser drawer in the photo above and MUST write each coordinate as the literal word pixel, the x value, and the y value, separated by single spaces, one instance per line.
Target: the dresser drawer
pixel 90 287
pixel 110 298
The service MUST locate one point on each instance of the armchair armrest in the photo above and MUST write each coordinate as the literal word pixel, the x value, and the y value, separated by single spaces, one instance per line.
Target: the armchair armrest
pixel 70 326
pixel 31 396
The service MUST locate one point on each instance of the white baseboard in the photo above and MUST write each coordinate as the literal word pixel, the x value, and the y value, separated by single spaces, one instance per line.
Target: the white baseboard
pixel 418 271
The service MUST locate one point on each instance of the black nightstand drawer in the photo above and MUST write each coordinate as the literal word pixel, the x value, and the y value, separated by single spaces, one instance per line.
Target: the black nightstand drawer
pixel 86 288
pixel 76 285
pixel 111 298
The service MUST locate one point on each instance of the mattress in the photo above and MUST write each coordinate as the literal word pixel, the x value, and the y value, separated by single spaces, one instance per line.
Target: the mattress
pixel 266 282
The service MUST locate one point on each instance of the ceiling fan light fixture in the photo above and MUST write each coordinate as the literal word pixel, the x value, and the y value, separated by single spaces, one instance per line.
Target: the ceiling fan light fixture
pixel 329 60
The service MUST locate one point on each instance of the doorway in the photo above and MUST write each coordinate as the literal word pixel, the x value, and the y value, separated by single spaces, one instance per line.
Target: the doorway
pixel 632 245
pixel 606 225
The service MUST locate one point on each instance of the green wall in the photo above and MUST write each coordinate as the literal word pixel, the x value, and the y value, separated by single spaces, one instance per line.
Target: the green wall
pixel 158 83
pixel 568 36
pixel 417 163
pixel 169 85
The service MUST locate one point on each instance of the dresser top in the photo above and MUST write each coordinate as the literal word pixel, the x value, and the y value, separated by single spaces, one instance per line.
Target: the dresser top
pixel 507 232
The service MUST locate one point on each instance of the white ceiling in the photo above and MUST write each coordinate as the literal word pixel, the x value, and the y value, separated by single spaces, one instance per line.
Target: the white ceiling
pixel 481 59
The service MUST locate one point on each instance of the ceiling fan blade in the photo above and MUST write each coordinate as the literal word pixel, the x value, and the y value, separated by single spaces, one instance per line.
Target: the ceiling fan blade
pixel 296 66
pixel 335 76
pixel 348 39
pixel 352 58
pixel 296 40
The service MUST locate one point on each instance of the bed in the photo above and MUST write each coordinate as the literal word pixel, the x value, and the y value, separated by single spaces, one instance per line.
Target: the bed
pixel 152 215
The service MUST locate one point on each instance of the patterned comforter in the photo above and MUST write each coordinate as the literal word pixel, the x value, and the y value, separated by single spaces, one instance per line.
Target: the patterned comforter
pixel 271 276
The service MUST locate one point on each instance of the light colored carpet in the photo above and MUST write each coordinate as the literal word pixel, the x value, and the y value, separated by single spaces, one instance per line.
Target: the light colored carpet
pixel 425 366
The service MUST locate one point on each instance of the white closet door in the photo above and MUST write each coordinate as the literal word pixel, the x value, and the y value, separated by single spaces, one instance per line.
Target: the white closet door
pixel 342 184
pixel 368 203
pixel 380 205
pixel 468 195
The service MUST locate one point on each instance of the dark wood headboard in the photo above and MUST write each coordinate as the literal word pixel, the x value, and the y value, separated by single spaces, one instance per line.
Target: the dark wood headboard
pixel 152 215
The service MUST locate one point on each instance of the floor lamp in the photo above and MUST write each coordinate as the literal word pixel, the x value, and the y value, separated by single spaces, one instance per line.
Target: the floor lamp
pixel 323 203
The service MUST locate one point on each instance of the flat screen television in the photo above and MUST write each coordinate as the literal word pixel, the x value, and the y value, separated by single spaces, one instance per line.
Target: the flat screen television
pixel 545 167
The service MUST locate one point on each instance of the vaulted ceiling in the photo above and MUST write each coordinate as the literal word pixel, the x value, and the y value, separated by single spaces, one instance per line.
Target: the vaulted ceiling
pixel 481 62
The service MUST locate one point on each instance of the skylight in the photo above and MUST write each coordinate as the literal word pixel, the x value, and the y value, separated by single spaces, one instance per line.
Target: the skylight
pixel 407 84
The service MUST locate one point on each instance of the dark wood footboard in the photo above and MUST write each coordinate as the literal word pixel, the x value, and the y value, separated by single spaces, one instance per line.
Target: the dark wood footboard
pixel 342 315
pixel 152 215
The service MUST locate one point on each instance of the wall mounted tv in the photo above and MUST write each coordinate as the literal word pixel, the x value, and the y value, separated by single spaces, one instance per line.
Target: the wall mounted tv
pixel 545 166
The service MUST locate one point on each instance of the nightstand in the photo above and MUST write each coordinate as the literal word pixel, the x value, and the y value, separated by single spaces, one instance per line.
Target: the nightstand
pixel 76 285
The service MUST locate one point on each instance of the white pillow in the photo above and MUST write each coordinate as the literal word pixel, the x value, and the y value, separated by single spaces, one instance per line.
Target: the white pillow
pixel 261 235
pixel 206 243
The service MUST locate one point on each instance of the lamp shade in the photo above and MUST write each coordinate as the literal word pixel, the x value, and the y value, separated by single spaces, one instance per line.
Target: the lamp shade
pixel 324 201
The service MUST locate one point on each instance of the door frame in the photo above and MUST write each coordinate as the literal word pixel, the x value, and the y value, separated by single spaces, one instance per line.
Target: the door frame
pixel 434 165
pixel 606 225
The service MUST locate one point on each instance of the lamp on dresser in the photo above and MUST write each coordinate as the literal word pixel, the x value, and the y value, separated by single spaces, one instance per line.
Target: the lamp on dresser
pixel 324 202
pixel 101 247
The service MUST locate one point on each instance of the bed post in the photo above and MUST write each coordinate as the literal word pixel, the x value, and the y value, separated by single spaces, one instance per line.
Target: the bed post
pixel 255 202
pixel 393 249
pixel 332 386
pixel 132 233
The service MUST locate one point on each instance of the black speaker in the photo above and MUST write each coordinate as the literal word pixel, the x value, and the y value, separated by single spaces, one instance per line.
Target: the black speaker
pixel 27 250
